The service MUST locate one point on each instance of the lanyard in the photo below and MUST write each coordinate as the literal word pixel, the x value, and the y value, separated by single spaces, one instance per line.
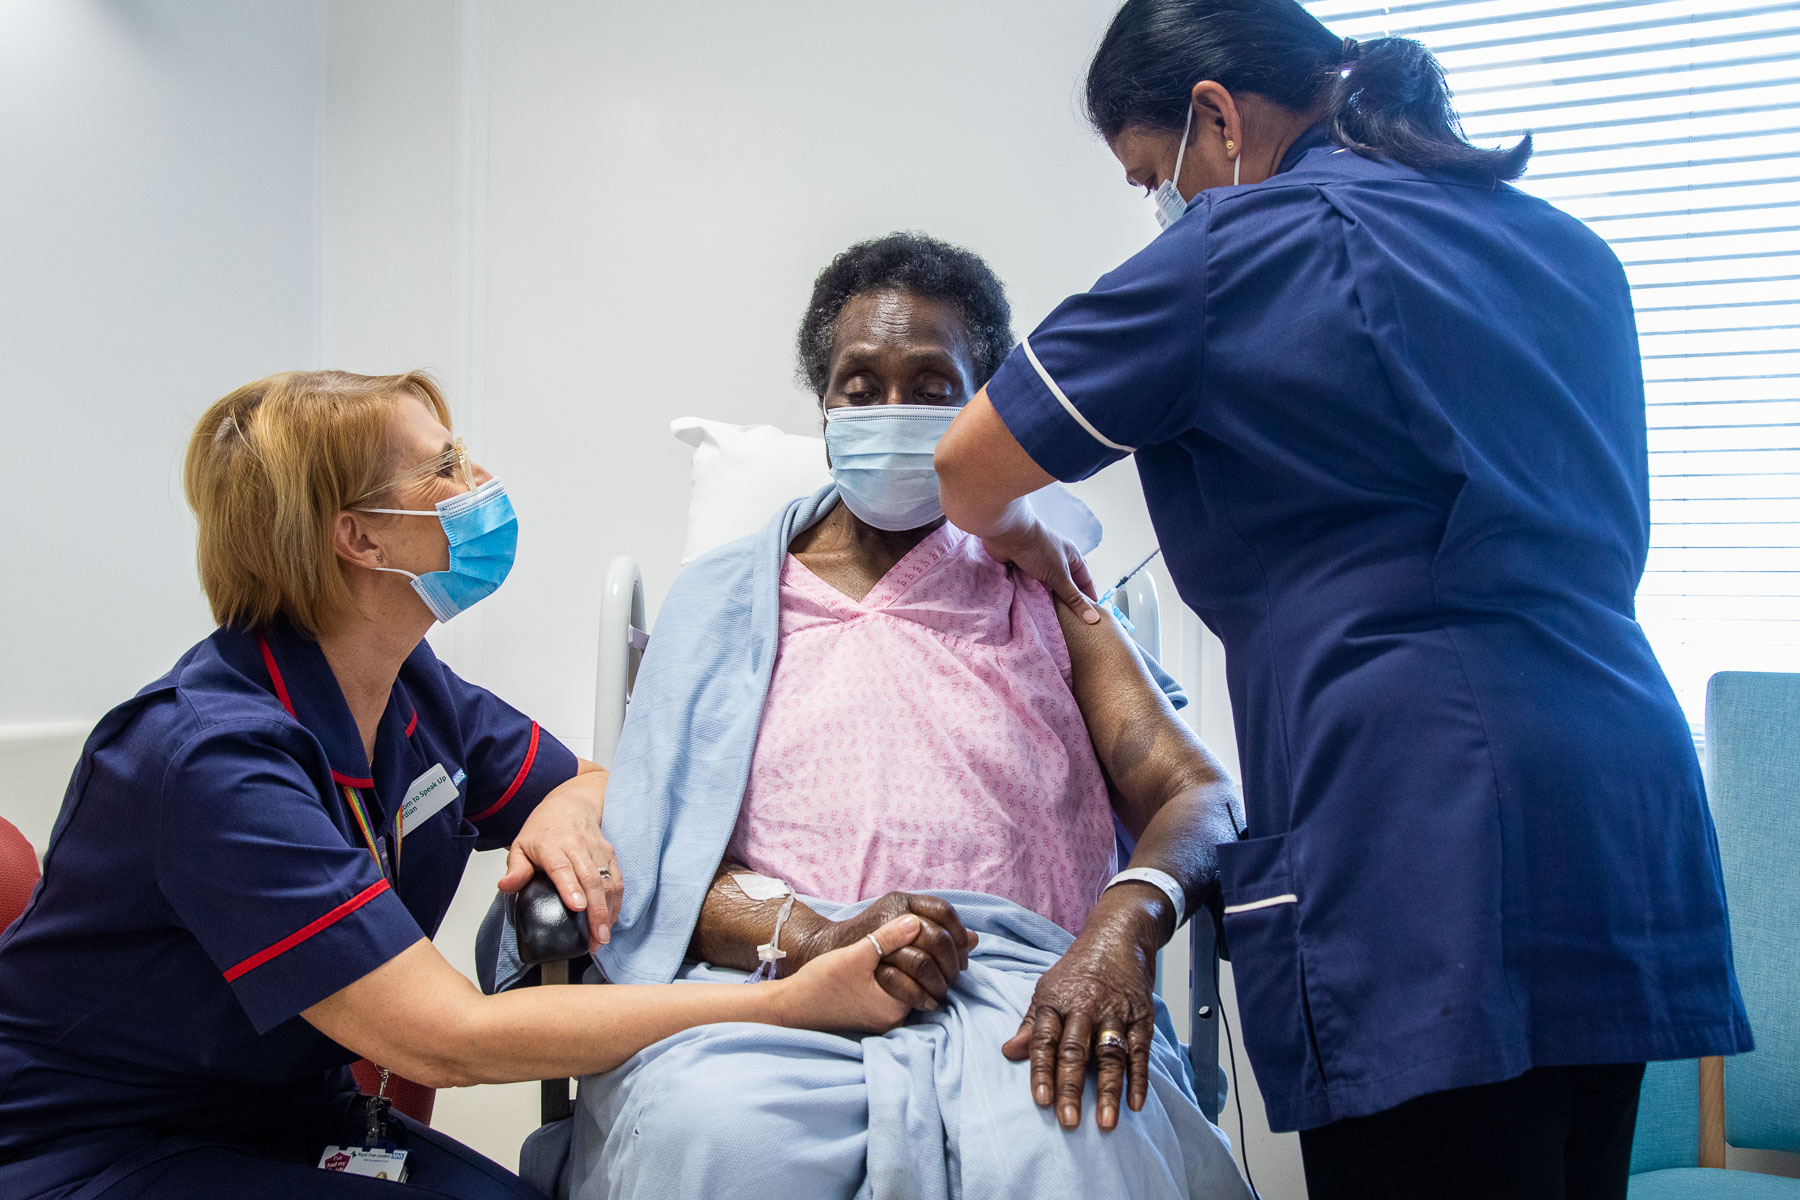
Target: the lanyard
pixel 361 812
pixel 376 1110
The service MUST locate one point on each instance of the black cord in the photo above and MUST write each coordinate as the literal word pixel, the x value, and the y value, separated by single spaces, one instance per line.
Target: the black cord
pixel 1237 1092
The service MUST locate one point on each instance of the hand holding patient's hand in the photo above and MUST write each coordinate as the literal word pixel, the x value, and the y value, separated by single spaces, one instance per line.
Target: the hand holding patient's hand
pixel 918 972
pixel 837 990
pixel 1105 983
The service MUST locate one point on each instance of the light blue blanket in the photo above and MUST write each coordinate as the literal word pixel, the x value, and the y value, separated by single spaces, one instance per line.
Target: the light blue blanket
pixel 931 1110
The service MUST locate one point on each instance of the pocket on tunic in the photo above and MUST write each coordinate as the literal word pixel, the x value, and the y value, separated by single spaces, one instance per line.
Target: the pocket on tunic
pixel 432 868
pixel 1263 907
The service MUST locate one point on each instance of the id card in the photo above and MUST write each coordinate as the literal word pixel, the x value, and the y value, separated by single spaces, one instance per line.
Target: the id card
pixel 426 795
pixel 375 1164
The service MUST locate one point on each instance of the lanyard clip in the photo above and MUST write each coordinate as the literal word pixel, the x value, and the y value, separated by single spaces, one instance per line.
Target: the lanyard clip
pixel 375 1133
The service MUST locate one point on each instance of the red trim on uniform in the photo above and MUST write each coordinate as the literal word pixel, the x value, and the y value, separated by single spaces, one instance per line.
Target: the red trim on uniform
pixel 518 780
pixel 281 692
pixel 412 724
pixel 300 935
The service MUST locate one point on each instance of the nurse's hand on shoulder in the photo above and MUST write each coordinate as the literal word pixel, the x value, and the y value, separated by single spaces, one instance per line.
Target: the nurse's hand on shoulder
pixel 562 839
pixel 838 989
pixel 1052 560
pixel 1104 985
pixel 984 477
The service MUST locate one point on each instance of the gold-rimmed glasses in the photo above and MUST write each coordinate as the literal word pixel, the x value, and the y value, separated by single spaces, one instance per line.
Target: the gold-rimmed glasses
pixel 453 463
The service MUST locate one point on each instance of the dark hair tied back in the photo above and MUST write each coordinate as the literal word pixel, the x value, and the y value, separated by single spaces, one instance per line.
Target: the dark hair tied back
pixel 1385 98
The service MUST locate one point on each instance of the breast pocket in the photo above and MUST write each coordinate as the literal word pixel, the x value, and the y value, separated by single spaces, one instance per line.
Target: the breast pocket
pixel 1263 908
pixel 432 866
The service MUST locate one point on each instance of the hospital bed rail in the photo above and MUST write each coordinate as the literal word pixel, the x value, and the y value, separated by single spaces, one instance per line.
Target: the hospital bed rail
pixel 550 938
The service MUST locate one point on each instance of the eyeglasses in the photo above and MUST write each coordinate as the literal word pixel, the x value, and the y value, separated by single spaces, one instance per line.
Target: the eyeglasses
pixel 453 463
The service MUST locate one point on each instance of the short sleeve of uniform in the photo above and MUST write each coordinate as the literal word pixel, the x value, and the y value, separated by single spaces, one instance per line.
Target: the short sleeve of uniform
pixel 1115 368
pixel 512 762
pixel 253 866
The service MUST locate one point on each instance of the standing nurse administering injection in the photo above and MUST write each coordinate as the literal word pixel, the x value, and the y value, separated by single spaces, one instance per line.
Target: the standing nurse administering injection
pixel 1388 414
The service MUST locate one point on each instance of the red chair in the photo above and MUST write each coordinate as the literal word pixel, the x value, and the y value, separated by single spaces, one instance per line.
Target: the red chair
pixel 414 1099
pixel 19 875
pixel 18 872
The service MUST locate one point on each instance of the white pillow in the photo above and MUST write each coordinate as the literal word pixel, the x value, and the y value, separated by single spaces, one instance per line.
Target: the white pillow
pixel 743 474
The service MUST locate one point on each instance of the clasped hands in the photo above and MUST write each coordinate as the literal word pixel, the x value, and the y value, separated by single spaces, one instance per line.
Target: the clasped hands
pixel 1095 1005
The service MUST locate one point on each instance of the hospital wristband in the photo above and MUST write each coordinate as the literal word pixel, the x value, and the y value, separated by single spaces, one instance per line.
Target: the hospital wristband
pixel 1159 879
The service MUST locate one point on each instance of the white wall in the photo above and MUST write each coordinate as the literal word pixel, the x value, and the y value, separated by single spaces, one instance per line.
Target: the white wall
pixel 158 239
pixel 664 181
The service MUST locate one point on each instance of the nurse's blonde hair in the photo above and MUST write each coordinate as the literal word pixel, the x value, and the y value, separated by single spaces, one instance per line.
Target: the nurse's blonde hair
pixel 268 470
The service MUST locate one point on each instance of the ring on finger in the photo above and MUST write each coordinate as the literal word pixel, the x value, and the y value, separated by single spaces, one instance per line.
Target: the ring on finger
pixel 1110 1039
pixel 605 874
pixel 876 942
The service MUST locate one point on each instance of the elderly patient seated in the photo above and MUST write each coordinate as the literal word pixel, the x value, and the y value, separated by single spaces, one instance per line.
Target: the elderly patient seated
pixel 862 704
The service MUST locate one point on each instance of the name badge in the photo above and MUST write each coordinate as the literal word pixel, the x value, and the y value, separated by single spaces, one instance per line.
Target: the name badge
pixel 428 793
pixel 374 1164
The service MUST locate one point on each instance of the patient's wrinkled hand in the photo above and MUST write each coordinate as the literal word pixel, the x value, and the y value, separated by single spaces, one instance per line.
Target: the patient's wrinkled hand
pixel 1103 986
pixel 919 973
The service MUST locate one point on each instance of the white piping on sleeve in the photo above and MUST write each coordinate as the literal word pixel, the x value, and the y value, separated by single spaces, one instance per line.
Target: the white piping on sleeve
pixel 1068 405
pixel 1271 902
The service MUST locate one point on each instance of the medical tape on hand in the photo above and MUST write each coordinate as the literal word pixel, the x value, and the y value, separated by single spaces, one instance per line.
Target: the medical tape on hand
pixel 759 887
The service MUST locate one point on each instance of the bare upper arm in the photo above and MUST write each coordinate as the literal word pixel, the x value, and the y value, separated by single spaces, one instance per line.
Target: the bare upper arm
pixel 1149 753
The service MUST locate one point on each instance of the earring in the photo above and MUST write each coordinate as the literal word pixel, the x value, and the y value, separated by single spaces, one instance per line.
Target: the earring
pixel 1230 146
pixel 380 559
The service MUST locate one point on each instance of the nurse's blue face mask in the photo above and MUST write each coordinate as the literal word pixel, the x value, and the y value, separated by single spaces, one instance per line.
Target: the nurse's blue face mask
pixel 881 461
pixel 1167 197
pixel 1168 201
pixel 483 532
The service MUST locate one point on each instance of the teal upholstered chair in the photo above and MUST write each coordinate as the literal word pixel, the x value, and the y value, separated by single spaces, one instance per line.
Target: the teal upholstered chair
pixel 1690 1111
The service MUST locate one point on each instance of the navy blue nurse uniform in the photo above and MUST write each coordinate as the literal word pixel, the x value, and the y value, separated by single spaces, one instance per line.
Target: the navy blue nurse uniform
pixel 1390 428
pixel 206 881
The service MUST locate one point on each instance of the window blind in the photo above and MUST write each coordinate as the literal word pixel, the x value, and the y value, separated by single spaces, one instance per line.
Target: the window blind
pixel 1672 128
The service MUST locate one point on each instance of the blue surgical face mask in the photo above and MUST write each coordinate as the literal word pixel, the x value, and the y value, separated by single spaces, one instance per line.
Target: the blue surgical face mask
pixel 881 461
pixel 484 538
pixel 1168 201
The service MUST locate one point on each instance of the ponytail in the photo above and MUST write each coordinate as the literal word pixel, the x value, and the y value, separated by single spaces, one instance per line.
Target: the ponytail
pixel 1389 99
pixel 1385 98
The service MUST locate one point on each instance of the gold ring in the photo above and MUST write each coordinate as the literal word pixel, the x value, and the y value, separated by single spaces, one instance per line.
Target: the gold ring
pixel 1110 1039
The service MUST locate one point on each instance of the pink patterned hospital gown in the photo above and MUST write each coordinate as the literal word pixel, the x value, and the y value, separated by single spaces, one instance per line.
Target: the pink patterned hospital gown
pixel 926 738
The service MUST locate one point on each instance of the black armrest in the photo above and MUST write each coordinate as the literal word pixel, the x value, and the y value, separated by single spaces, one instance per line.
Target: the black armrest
pixel 547 931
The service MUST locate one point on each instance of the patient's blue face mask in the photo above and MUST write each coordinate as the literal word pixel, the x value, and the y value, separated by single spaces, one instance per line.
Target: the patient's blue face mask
pixel 881 461
pixel 484 538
